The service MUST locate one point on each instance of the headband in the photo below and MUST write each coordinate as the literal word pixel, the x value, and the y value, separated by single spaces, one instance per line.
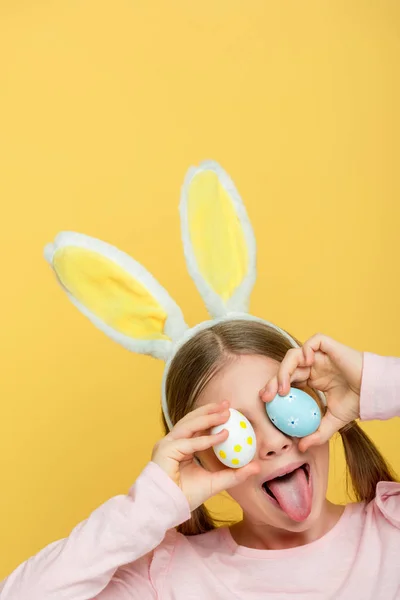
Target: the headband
pixel 120 297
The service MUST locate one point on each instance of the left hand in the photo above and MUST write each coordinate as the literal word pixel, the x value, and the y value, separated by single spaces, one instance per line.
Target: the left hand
pixel 330 367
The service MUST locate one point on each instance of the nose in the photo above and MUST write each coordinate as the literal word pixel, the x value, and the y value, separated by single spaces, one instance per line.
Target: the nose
pixel 272 442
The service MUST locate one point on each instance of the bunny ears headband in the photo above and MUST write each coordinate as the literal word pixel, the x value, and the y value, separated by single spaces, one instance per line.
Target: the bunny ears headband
pixel 120 297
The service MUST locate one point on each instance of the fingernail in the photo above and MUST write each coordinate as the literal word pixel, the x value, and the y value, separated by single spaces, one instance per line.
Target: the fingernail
pixel 281 388
pixel 266 390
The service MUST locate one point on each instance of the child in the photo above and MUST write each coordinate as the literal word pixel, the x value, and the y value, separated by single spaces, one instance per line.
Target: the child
pixel 158 541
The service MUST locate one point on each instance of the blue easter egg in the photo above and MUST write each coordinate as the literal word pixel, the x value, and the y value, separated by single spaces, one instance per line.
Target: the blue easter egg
pixel 296 414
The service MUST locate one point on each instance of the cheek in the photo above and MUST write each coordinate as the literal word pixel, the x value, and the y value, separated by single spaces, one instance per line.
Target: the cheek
pixel 320 455
pixel 249 496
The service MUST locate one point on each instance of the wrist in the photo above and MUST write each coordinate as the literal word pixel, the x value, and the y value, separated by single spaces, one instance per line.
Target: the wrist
pixel 356 365
pixel 380 387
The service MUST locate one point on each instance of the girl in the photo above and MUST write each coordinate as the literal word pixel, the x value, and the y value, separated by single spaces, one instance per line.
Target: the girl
pixel 158 541
pixel 129 547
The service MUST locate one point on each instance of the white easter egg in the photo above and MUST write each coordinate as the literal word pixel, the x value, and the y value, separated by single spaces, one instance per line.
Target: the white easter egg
pixel 240 447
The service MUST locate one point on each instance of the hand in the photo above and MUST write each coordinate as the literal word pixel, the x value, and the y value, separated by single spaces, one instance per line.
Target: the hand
pixel 175 455
pixel 330 367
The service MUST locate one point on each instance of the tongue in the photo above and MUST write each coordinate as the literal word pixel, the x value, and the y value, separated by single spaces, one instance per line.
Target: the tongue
pixel 293 494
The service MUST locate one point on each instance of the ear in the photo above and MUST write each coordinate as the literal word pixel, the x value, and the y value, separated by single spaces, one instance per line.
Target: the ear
pixel 117 294
pixel 218 239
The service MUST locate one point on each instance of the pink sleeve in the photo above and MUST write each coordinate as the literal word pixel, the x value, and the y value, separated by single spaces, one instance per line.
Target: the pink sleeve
pixel 380 388
pixel 85 565
pixel 388 501
pixel 380 399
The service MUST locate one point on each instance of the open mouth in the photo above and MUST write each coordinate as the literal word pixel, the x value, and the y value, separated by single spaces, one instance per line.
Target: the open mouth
pixel 292 492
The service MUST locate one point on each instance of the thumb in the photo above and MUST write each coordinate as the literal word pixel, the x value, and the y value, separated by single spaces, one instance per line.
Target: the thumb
pixel 328 427
pixel 229 478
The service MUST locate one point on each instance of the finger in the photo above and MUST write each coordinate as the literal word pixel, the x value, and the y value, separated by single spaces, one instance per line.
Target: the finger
pixel 188 447
pixel 207 409
pixel 300 376
pixel 308 353
pixel 269 392
pixel 189 428
pixel 347 360
pixel 328 427
pixel 323 343
pixel 303 358
pixel 229 478
pixel 293 360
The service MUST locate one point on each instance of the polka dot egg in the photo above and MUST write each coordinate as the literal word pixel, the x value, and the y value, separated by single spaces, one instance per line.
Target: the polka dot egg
pixel 240 447
pixel 296 414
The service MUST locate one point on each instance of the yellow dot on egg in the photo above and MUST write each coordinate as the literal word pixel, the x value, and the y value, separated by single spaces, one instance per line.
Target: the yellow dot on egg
pixel 250 441
pixel 243 425
pixel 235 461
pixel 237 448
pixel 222 454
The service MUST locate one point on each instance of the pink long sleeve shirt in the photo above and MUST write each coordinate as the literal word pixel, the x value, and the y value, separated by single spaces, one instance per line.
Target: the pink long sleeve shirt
pixel 128 548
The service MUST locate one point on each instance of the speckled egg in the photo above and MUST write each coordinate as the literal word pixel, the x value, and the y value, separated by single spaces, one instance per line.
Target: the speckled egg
pixel 296 414
pixel 240 447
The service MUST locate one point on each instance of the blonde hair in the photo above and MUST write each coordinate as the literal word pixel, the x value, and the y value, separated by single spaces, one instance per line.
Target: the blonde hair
pixel 201 357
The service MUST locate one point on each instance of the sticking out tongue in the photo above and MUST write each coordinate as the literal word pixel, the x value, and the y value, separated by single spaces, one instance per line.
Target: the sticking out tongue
pixel 293 494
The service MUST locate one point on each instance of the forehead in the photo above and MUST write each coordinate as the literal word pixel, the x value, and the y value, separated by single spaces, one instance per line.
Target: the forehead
pixel 240 379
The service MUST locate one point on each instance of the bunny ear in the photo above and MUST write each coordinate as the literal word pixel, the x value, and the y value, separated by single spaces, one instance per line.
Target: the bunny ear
pixel 117 294
pixel 219 243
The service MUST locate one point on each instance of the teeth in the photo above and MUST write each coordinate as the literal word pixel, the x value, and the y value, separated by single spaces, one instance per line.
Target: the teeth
pixel 304 467
pixel 285 474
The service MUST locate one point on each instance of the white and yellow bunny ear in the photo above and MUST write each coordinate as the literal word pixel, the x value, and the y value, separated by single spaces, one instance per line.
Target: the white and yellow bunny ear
pixel 117 294
pixel 218 239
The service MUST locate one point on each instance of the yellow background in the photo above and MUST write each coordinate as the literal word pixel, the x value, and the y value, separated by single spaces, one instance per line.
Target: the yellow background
pixel 103 106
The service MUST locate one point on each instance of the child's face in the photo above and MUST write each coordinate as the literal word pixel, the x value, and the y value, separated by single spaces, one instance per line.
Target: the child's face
pixel 240 382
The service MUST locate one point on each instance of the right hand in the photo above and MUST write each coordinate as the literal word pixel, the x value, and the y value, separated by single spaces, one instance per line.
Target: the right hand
pixel 175 453
pixel 328 366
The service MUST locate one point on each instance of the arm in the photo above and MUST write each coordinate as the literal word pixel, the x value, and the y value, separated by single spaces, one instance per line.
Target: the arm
pixel 380 399
pixel 380 387
pixel 107 556
pixel 119 532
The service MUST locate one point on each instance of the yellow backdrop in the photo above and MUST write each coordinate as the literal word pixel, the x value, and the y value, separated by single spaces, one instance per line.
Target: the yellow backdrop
pixel 103 106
